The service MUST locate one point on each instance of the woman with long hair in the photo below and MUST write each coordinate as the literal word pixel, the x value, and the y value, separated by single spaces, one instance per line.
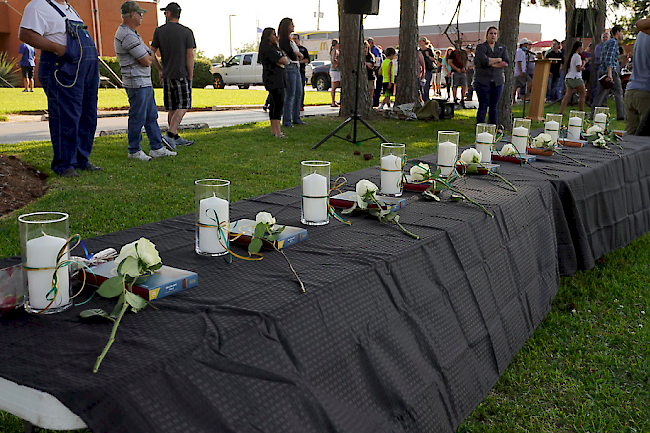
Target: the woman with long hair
pixel 573 78
pixel 273 76
pixel 370 69
pixel 491 57
pixel 294 89
pixel 335 70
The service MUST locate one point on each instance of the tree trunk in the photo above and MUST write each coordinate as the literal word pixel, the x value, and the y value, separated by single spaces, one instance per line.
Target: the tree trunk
pixel 352 56
pixel 601 7
pixel 508 34
pixel 571 27
pixel 408 81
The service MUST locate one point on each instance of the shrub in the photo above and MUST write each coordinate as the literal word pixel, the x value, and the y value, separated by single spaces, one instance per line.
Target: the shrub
pixel 202 73
pixel 9 75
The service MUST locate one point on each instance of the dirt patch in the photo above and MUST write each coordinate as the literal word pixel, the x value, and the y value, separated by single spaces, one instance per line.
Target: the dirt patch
pixel 20 183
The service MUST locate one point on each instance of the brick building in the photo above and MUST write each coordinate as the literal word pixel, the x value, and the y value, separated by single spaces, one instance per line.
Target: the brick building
pixel 101 16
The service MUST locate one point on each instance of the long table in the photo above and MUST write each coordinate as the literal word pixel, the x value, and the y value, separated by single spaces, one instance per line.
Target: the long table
pixel 393 334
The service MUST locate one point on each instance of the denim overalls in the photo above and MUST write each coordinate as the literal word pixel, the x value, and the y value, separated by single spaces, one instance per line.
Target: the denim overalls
pixel 71 83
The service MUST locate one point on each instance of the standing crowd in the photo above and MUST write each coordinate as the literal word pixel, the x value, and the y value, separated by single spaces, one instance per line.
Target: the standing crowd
pixel 69 73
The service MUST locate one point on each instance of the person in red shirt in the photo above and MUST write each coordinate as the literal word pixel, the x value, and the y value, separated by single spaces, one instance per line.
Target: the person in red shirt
pixel 458 63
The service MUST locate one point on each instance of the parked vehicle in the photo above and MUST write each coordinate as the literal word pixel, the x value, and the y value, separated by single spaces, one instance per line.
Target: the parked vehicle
pixel 240 70
pixel 320 78
pixel 309 69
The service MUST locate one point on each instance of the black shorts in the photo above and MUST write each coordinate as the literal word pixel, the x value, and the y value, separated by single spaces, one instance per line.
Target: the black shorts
pixel 28 71
pixel 387 88
pixel 177 94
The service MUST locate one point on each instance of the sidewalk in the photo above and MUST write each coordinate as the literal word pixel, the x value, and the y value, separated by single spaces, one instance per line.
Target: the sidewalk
pixel 21 128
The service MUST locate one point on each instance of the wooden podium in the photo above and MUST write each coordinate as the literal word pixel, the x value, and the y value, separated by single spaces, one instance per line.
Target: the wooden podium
pixel 538 92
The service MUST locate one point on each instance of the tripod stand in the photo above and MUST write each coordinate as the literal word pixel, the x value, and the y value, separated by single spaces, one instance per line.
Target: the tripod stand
pixel 355 117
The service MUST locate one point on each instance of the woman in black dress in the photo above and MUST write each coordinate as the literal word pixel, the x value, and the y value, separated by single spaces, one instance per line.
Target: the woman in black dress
pixel 273 76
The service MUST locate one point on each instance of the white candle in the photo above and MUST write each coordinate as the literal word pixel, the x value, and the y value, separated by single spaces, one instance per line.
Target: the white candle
pixel 552 128
pixel 208 241
pixel 446 157
pixel 41 253
pixel 390 180
pixel 600 119
pixel 520 139
pixel 484 142
pixel 575 125
pixel 314 209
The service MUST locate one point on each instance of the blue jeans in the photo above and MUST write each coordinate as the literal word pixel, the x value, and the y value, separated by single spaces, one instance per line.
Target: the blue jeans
pixel 303 81
pixel 428 75
pixel 553 84
pixel 292 97
pixel 143 112
pixel 72 111
pixel 488 97
pixel 377 94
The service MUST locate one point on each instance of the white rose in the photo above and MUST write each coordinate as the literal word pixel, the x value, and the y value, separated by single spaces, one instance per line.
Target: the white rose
pixel 418 172
pixel 264 217
pixel 470 156
pixel 594 130
pixel 127 250
pixel 542 139
pixel 148 252
pixel 508 149
pixel 364 186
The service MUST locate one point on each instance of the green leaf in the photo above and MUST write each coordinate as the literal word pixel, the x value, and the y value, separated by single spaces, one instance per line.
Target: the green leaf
pixel 255 246
pixel 155 267
pixel 129 267
pixel 272 237
pixel 111 288
pixel 472 169
pixel 118 307
pixel 96 313
pixel 374 212
pixel 428 193
pixel 136 302
pixel 260 230
pixel 350 210
pixel 280 230
pixel 457 197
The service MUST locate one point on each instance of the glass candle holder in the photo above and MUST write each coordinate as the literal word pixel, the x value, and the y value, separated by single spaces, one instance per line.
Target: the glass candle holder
pixel 520 134
pixel 485 134
pixel 42 236
pixel 576 120
pixel 447 151
pixel 552 125
pixel 392 161
pixel 212 216
pixel 601 115
pixel 315 192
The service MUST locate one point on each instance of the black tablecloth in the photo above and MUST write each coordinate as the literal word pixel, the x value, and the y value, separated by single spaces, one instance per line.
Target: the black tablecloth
pixel 393 335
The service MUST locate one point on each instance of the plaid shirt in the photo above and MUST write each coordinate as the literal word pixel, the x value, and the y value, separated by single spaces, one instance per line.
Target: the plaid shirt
pixel 609 55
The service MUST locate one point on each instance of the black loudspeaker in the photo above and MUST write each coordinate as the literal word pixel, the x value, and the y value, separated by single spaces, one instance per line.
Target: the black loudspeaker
pixel 583 24
pixel 365 7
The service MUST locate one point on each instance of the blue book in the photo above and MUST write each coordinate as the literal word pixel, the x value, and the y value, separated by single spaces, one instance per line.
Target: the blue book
pixel 163 282
pixel 241 232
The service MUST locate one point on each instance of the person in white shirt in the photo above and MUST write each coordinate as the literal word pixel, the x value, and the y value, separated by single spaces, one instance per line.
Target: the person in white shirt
pixel 522 79
pixel 573 79
pixel 69 73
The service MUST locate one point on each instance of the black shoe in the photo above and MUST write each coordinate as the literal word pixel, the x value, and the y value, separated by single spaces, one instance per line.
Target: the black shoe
pixel 462 104
pixel 71 172
pixel 265 107
pixel 91 167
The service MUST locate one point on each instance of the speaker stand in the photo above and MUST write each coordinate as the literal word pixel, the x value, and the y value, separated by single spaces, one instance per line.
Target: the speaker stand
pixel 355 117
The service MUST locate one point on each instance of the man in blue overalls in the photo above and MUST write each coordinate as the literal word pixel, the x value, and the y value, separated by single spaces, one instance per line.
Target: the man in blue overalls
pixel 69 73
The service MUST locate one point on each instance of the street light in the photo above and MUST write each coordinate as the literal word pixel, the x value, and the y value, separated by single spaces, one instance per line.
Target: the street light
pixel 230 31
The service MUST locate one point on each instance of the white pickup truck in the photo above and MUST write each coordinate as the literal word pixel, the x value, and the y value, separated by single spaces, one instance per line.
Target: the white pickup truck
pixel 240 70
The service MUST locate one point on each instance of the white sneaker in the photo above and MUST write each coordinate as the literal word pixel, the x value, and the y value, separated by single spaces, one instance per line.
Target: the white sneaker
pixel 159 153
pixel 140 155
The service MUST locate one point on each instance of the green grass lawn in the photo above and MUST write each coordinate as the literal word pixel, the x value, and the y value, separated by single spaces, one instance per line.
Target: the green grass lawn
pixel 15 101
pixel 584 369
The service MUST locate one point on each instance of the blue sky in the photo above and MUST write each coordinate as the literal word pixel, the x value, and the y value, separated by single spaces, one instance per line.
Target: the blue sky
pixel 209 18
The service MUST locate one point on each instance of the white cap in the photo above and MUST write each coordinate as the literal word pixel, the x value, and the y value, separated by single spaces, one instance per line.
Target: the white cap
pixel 524 41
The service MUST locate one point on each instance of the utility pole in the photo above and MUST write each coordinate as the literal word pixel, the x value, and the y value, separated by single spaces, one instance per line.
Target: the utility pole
pixel 318 16
pixel 230 31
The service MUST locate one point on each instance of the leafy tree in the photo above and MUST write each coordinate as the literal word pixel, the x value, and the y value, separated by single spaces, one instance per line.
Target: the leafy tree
pixel 508 34
pixel 218 58
pixel 247 47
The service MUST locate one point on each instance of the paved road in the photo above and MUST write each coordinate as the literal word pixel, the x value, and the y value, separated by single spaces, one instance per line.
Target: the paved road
pixel 30 128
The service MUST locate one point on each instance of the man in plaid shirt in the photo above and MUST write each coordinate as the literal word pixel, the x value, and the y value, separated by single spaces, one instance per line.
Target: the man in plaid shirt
pixel 610 67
